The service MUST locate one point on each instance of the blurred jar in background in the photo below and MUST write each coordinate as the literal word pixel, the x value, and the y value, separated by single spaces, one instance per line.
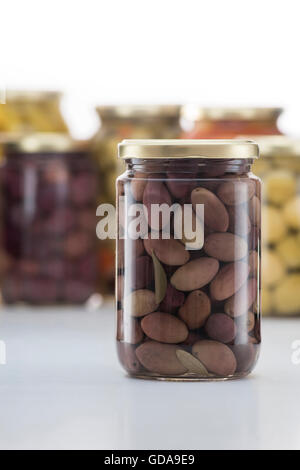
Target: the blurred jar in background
pixel 118 123
pixel 227 123
pixel 279 169
pixel 49 194
pixel 30 111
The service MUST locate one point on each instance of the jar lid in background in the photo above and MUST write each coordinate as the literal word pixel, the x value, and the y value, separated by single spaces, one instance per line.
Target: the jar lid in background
pixel 276 145
pixel 183 148
pixel 230 114
pixel 42 143
pixel 30 96
pixel 139 111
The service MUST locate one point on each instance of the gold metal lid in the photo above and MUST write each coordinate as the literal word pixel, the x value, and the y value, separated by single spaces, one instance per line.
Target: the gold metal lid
pixel 43 143
pixel 139 111
pixel 276 145
pixel 231 114
pixel 32 95
pixel 184 148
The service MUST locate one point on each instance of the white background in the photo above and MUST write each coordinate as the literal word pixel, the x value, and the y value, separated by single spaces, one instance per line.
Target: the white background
pixel 205 51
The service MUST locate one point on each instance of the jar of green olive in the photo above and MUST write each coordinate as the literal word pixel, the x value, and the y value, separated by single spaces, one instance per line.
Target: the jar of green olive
pixel 279 168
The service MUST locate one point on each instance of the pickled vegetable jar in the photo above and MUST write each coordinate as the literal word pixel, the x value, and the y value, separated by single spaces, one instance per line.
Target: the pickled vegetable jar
pixel 117 123
pixel 49 194
pixel 279 169
pixel 227 123
pixel 188 259
pixel 30 111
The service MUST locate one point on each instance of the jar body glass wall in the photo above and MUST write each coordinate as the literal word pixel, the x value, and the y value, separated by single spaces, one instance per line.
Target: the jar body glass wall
pixel 49 204
pixel 189 308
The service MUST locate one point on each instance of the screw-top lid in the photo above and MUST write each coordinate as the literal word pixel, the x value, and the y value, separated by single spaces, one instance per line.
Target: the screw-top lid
pixel 183 148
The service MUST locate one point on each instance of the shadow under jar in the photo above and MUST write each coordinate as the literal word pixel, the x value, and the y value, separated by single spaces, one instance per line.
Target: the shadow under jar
pixel 49 199
pixel 188 294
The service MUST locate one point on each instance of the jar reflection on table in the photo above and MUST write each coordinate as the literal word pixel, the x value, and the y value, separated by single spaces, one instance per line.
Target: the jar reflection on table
pixel 49 191
pixel 117 123
pixel 279 169
pixel 189 305
pixel 227 123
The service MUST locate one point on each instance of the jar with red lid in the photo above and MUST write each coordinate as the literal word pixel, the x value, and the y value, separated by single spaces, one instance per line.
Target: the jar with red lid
pixel 228 123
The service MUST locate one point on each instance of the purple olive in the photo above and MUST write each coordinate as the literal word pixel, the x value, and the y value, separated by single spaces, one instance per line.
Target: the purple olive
pixel 172 300
pixel 220 327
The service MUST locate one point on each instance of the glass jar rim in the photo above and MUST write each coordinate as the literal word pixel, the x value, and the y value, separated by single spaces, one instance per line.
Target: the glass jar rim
pixel 186 149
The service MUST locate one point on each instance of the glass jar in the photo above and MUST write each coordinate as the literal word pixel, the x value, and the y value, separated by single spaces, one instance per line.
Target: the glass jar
pixel 227 123
pixel 32 111
pixel 279 169
pixel 188 285
pixel 117 123
pixel 49 194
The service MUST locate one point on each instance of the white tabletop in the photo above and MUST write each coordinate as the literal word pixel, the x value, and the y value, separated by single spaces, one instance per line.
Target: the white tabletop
pixel 62 388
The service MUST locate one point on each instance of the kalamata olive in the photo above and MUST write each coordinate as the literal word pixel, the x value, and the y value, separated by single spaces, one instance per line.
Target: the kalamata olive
pixel 239 221
pixel 140 302
pixel 195 310
pixel 229 280
pixel 180 185
pixel 216 215
pixel 172 300
pixel 225 246
pixel 195 274
pixel 216 357
pixel 169 251
pixel 164 327
pixel 236 192
pixel 160 358
pixel 220 327
pixel 242 300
